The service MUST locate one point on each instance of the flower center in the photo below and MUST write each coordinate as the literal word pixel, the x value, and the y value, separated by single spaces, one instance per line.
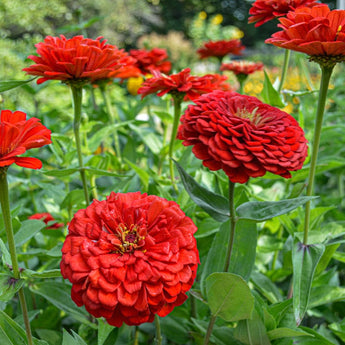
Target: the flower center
pixel 130 238
pixel 252 116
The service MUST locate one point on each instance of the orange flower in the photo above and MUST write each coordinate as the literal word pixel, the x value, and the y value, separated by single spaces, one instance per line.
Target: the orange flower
pixel 242 67
pixel 317 31
pixel 74 59
pixel 263 11
pixel 17 135
pixel 220 49
pixel 130 257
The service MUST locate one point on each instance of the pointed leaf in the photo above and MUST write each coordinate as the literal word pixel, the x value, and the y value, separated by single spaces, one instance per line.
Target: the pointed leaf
pixel 270 95
pixel 9 286
pixel 104 330
pixel 305 259
pixel 214 204
pixel 229 296
pixel 73 339
pixel 266 287
pixel 284 332
pixel 29 228
pixel 11 84
pixel 260 211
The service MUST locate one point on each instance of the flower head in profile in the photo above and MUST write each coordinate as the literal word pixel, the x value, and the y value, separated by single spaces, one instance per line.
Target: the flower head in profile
pixel 17 135
pixel 155 59
pixel 242 136
pixel 130 257
pixel 220 49
pixel 74 59
pixel 317 31
pixel 183 83
pixel 242 67
pixel 47 218
pixel 263 11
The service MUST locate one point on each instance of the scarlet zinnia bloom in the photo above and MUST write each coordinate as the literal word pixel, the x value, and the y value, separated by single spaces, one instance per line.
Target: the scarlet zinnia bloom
pixel 17 135
pixel 242 67
pixel 73 59
pixel 263 11
pixel 220 49
pixel 130 257
pixel 243 136
pixel 317 31
pixel 151 60
pixel 47 217
pixel 188 85
pixel 127 70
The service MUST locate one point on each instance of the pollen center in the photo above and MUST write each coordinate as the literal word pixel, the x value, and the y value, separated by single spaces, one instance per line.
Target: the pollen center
pixel 130 238
pixel 252 116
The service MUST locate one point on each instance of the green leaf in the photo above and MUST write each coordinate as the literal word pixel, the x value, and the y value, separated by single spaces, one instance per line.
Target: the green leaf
pixel 9 286
pixel 29 228
pixel 11 84
pixel 55 273
pixel 214 204
pixel 60 172
pixel 284 332
pixel 270 95
pixel 13 334
pixel 5 254
pixel 104 330
pixel 143 175
pixel 59 294
pixel 305 259
pixel 325 294
pixel 229 296
pixel 73 339
pixel 150 139
pixel 260 211
pixel 266 287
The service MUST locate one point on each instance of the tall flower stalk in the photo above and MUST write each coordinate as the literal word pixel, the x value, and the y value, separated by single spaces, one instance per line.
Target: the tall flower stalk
pixel 284 69
pixel 6 213
pixel 77 95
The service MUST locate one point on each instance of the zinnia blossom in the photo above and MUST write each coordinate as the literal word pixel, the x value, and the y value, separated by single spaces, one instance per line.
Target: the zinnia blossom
pixel 130 257
pixel 17 135
pixel 47 218
pixel 263 11
pixel 243 136
pixel 220 49
pixel 151 60
pixel 74 59
pixel 189 86
pixel 317 31
pixel 242 67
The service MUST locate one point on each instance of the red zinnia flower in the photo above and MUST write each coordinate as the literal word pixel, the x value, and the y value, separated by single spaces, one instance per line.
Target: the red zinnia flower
pixel 47 217
pixel 316 31
pixel 150 60
pixel 74 59
pixel 263 11
pixel 184 83
pixel 17 135
pixel 242 136
pixel 127 70
pixel 242 67
pixel 220 49
pixel 130 257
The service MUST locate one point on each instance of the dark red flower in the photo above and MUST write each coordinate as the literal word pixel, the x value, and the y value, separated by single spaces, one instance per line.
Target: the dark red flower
pixel 315 31
pixel 184 83
pixel 263 11
pixel 77 58
pixel 242 67
pixel 47 218
pixel 130 257
pixel 220 48
pixel 243 136
pixel 17 135
pixel 150 60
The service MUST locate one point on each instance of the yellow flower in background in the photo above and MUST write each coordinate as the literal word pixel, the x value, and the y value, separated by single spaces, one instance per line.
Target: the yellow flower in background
pixel 133 85
pixel 202 15
pixel 217 19
pixel 237 33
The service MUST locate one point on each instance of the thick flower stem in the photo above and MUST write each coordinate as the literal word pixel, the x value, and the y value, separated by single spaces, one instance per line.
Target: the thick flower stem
pixel 114 118
pixel 177 114
pixel 285 68
pixel 6 213
pixel 158 337
pixel 77 93
pixel 325 78
pixel 233 221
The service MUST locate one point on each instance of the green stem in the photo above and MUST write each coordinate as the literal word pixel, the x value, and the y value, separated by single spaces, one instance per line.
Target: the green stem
pixel 77 94
pixel 233 221
pixel 177 114
pixel 114 118
pixel 6 213
pixel 285 68
pixel 158 338
pixel 326 73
